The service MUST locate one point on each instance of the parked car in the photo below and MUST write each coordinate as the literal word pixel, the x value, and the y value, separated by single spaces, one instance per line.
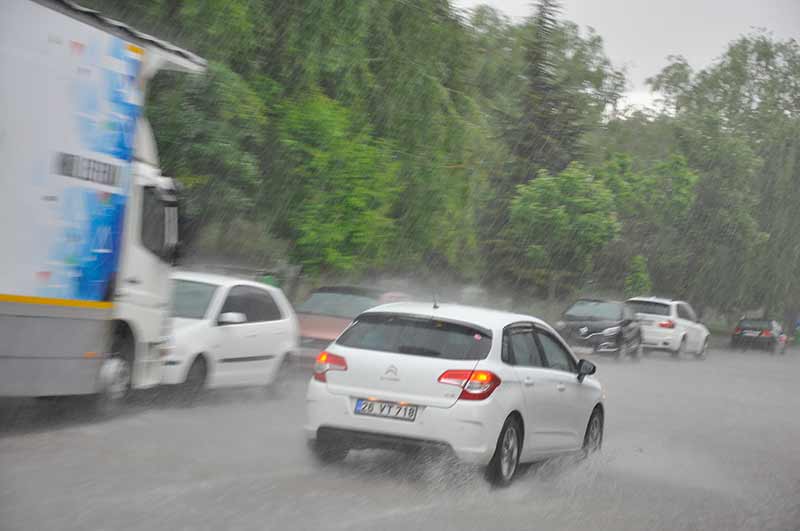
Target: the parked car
pixel 328 310
pixel 494 388
pixel 764 333
pixel 226 332
pixel 601 326
pixel 670 325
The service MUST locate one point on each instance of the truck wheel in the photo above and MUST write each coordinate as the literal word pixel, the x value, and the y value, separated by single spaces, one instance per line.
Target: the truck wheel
pixel 116 373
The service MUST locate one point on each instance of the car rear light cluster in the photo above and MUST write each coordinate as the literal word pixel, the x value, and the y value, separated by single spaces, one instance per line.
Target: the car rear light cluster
pixel 766 333
pixel 669 323
pixel 328 362
pixel 475 385
pixel 737 331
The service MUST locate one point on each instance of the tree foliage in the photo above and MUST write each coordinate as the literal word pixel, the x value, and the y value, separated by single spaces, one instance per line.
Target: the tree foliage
pixel 409 137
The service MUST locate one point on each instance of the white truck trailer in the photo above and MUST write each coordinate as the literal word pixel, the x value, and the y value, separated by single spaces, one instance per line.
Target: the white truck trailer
pixel 89 225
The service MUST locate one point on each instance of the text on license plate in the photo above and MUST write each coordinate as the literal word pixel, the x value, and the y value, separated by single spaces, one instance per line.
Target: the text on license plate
pixel 391 410
pixel 751 333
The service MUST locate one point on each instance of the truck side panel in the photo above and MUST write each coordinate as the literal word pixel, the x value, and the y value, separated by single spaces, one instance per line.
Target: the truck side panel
pixel 69 101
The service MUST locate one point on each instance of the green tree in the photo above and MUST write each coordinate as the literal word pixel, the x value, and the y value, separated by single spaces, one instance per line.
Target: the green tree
pixel 637 282
pixel 558 224
pixel 348 181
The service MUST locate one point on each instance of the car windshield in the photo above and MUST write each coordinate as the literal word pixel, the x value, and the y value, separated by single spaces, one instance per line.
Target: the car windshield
pixel 653 308
pixel 191 298
pixel 595 310
pixel 417 337
pixel 337 304
pixel 758 324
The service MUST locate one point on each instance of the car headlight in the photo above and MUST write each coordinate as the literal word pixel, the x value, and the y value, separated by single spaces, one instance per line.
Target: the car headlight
pixel 612 331
pixel 561 325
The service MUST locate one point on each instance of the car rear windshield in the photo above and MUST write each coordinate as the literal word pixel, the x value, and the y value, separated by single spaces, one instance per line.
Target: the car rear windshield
pixel 653 308
pixel 595 310
pixel 755 324
pixel 190 299
pixel 417 336
pixel 337 304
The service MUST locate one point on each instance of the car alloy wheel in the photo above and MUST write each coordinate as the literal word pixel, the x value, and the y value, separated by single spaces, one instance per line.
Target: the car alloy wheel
pixel 509 455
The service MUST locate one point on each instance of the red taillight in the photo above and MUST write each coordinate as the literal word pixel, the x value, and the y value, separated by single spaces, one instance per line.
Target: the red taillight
pixel 737 331
pixel 328 362
pixel 766 333
pixel 669 323
pixel 475 385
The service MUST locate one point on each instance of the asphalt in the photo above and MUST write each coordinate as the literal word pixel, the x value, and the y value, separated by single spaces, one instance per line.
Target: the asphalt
pixel 689 445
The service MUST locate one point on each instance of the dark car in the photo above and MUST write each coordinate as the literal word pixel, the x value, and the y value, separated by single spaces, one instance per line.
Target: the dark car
pixel 604 326
pixel 762 333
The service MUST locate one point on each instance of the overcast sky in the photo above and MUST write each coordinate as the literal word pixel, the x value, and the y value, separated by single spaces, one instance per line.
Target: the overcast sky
pixel 639 34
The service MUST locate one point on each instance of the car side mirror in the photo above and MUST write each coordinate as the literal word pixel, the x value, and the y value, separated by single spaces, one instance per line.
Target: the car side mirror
pixel 585 368
pixel 231 318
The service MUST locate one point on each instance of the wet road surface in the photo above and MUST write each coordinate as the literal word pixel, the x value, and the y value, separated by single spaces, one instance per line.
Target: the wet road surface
pixel 711 444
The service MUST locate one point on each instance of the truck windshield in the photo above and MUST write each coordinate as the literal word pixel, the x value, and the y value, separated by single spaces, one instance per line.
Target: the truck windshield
pixel 191 299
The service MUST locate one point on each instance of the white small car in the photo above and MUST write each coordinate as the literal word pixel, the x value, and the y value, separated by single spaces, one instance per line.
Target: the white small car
pixel 494 388
pixel 226 332
pixel 670 325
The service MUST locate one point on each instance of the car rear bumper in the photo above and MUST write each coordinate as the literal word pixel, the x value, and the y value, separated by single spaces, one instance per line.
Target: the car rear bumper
pixel 660 338
pixel 462 428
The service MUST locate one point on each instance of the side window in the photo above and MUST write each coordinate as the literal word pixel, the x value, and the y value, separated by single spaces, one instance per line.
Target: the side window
pixel 263 306
pixel 692 316
pixel 683 312
pixel 153 221
pixel 524 348
pixel 237 301
pixel 554 354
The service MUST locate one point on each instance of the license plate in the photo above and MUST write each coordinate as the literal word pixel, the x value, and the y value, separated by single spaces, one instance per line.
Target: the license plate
pixel 391 410
pixel 751 333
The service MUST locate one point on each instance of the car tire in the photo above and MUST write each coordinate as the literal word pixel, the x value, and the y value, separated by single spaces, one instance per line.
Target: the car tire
pixel 593 439
pixel 680 350
pixel 327 452
pixel 195 380
pixel 638 350
pixel 505 461
pixel 702 353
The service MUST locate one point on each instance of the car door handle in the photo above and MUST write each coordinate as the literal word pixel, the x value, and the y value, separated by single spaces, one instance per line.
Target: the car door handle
pixel 529 382
pixel 561 387
pixel 251 335
pixel 133 280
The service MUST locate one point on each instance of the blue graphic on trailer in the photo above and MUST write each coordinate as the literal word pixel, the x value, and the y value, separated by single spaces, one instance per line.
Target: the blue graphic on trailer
pixel 84 261
pixel 110 130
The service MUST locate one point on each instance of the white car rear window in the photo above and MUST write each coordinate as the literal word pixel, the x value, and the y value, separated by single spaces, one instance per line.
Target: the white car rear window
pixel 417 336
pixel 653 308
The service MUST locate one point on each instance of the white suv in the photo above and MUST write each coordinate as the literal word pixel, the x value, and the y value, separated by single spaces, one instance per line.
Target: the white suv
pixel 494 388
pixel 670 325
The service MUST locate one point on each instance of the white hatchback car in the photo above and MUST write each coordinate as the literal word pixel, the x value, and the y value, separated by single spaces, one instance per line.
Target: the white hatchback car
pixel 226 332
pixel 495 388
pixel 670 325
